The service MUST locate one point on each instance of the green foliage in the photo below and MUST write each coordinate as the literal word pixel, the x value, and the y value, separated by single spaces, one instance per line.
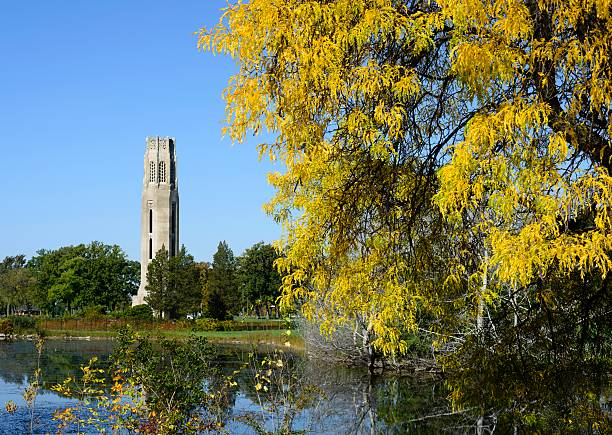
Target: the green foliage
pixel 207 324
pixel 172 372
pixel 185 283
pixel 214 305
pixel 13 262
pixel 93 312
pixel 170 386
pixel 17 284
pixel 221 297
pixel 157 387
pixel 258 279
pixel 85 275
pixel 173 284
pixel 210 324
pixel 138 312
pixel 158 297
pixel 22 323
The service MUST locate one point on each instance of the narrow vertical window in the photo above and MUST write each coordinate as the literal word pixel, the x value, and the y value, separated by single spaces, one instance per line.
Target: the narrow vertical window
pixel 152 172
pixel 150 249
pixel 150 221
pixel 172 173
pixel 173 217
pixel 173 230
pixel 162 172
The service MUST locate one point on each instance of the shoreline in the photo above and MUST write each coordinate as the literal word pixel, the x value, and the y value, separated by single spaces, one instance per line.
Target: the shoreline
pixel 255 337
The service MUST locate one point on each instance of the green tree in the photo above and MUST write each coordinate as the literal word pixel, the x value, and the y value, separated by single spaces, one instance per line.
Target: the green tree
pixel 13 262
pixel 67 288
pixel 257 277
pixel 173 284
pixel 17 284
pixel 84 276
pixel 158 295
pixel 222 296
pixel 185 283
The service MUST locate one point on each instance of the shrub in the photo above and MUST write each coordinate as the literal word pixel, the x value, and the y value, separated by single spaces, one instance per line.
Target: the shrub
pixel 22 323
pixel 139 312
pixel 6 326
pixel 206 324
pixel 94 312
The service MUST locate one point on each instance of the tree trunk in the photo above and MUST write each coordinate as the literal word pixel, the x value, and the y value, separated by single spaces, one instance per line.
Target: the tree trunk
pixel 483 289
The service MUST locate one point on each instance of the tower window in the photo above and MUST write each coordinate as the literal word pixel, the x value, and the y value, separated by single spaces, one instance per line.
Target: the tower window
pixel 173 231
pixel 150 221
pixel 172 173
pixel 152 172
pixel 173 217
pixel 162 172
pixel 150 249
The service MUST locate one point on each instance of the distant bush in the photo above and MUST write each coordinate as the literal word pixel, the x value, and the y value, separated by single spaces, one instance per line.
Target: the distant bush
pixel 93 312
pixel 22 323
pixel 139 312
pixel 208 324
pixel 6 326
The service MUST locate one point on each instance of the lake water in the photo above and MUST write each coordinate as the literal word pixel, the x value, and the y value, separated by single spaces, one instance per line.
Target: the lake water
pixel 353 402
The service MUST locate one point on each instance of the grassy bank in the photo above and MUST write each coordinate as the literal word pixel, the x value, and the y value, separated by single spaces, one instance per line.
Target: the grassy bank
pixel 273 337
pixel 238 331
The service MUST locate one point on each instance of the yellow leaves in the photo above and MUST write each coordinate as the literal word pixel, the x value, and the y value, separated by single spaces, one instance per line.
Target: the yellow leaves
pixel 519 258
pixel 11 407
pixel 481 63
pixel 342 85
pixel 512 20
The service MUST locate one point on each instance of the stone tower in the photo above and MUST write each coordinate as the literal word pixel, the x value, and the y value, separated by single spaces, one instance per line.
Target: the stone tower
pixel 159 223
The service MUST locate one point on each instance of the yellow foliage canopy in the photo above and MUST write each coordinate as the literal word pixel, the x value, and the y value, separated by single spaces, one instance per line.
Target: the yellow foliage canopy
pixel 425 144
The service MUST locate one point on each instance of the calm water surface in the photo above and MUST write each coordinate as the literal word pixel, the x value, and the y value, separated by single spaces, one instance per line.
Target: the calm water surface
pixel 353 401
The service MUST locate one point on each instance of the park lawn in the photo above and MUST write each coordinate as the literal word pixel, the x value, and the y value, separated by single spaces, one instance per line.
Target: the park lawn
pixel 274 336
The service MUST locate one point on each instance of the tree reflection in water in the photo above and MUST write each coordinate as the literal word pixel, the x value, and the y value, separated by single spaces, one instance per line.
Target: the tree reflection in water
pixel 352 400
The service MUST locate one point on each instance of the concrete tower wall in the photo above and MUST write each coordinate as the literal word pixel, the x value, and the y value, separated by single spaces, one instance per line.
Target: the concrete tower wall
pixel 159 224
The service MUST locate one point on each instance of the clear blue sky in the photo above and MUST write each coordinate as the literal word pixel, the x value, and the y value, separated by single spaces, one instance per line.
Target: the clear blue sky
pixel 82 84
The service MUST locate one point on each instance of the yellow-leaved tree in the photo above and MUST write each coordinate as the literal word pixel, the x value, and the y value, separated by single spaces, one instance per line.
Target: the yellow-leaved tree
pixel 445 166
pixel 436 155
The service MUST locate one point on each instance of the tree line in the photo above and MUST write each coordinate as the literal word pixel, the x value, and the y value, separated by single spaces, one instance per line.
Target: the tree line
pixel 99 278
pixel 247 285
pixel 69 279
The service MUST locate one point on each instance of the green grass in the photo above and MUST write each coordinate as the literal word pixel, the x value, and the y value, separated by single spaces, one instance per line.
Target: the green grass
pixel 274 336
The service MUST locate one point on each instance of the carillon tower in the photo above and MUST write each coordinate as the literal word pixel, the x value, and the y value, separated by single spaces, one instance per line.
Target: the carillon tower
pixel 159 224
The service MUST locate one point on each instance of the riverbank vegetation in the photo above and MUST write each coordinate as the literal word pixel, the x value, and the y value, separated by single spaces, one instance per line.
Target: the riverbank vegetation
pixel 278 332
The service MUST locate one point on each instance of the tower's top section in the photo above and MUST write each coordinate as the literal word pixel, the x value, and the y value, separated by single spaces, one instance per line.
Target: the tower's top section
pixel 160 163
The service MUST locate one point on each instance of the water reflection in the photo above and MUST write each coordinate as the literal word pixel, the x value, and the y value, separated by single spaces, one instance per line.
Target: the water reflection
pixel 353 402
pixel 60 359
